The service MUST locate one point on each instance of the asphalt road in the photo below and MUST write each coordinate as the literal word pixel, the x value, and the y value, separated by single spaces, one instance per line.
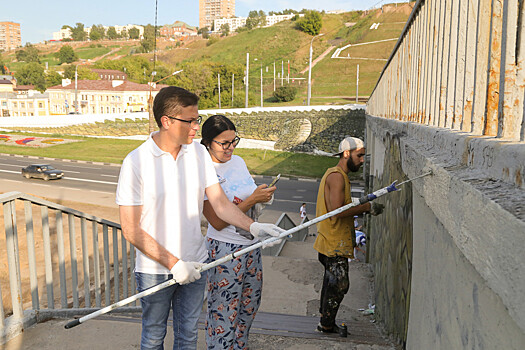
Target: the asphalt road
pixel 93 182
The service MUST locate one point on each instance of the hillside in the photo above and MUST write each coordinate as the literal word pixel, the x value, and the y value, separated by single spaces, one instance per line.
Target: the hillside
pixel 333 79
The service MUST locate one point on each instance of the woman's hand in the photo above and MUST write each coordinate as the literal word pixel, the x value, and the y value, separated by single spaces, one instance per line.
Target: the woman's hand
pixel 262 193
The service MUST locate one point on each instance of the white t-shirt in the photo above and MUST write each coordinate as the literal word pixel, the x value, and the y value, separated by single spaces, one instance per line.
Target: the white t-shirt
pixel 302 211
pixel 238 184
pixel 171 192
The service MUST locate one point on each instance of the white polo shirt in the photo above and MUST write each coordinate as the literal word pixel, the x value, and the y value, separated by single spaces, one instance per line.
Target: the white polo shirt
pixel 171 192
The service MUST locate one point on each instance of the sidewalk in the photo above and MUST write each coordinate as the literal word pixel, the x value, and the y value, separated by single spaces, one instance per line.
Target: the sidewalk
pixel 291 288
pixel 287 317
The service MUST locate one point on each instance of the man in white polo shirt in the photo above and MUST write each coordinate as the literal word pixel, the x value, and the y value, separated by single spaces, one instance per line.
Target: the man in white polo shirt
pixel 160 194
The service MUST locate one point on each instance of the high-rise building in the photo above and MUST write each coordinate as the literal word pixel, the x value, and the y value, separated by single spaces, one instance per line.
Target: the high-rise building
pixel 10 37
pixel 209 10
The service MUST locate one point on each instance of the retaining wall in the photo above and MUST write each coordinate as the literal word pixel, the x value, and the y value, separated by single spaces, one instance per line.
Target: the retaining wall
pixel 447 253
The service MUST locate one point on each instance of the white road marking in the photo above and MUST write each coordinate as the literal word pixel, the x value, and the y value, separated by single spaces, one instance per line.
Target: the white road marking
pixel 67 177
pixel 108 175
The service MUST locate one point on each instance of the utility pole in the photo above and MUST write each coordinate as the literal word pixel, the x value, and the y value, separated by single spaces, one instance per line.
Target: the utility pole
pixel 76 90
pixel 274 76
pixel 288 76
pixel 233 85
pixel 219 81
pixel 310 71
pixel 247 78
pixel 357 86
pixel 261 86
pixel 282 73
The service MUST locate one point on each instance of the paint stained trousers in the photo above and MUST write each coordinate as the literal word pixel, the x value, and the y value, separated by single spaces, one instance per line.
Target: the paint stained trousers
pixel 335 286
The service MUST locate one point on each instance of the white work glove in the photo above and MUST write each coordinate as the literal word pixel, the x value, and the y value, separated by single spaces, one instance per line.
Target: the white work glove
pixel 265 231
pixel 186 272
pixel 258 229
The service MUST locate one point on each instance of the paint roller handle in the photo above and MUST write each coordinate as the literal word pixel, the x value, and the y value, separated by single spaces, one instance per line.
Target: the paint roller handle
pixel 72 324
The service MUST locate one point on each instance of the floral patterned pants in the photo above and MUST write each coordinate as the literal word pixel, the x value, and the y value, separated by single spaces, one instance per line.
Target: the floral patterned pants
pixel 234 295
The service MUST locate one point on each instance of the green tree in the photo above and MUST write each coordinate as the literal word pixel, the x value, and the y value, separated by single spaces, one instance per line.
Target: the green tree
pixel 28 54
pixel 205 32
pixel 124 34
pixel 137 67
pixel 255 19
pixel 148 43
pixel 112 33
pixel 52 78
pixel 134 33
pixel 3 69
pixel 78 33
pixel 97 32
pixel 285 93
pixel 32 74
pixel 225 29
pixel 311 23
pixel 84 73
pixel 66 54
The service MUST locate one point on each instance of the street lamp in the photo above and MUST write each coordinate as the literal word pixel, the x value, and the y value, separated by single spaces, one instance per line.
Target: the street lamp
pixel 152 123
pixel 260 61
pixel 310 70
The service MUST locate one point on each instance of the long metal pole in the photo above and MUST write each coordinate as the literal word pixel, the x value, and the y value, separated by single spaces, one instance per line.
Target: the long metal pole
pixel 247 78
pixel 368 198
pixel 357 86
pixel 76 89
pixel 219 84
pixel 309 75
pixel 233 86
pixel 274 76
pixel 261 87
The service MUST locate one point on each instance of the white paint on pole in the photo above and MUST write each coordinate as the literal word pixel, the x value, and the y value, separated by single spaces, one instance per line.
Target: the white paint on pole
pixel 247 79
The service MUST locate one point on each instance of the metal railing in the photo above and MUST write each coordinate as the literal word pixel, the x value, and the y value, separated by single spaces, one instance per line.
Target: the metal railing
pixel 63 263
pixel 458 65
pixel 60 261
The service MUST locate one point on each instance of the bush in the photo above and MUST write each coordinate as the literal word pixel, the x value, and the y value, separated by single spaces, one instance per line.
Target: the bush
pixel 311 23
pixel 212 40
pixel 285 93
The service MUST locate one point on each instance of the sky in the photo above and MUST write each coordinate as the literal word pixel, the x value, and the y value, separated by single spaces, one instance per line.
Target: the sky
pixel 40 18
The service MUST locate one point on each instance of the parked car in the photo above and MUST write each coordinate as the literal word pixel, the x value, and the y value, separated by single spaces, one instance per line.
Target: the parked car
pixel 42 171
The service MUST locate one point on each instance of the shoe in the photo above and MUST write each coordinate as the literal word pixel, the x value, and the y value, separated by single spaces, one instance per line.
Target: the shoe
pixel 333 329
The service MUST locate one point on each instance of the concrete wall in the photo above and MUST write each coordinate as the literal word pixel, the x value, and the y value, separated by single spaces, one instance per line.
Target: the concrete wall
pixel 448 250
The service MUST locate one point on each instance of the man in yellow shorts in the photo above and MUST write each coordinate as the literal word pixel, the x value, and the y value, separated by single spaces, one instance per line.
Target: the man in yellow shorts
pixel 336 236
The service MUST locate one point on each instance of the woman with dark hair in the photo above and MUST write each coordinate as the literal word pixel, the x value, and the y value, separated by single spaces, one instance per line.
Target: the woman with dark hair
pixel 234 287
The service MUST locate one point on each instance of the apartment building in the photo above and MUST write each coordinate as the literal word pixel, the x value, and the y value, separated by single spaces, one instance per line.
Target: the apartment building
pixel 67 34
pixel 210 10
pixel 64 33
pixel 237 22
pixel 100 96
pixel 233 23
pixel 177 30
pixel 10 36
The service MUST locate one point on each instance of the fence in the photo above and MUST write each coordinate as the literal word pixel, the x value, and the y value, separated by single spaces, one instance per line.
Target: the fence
pixel 52 268
pixel 48 270
pixel 458 65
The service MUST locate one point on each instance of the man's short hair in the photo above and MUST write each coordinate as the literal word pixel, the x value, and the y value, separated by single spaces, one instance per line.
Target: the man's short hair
pixel 171 100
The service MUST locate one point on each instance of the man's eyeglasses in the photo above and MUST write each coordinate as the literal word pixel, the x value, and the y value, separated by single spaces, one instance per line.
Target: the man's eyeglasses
pixel 193 123
pixel 227 144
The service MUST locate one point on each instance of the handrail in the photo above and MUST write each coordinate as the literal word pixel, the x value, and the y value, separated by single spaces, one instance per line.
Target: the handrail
pixel 52 245
pixel 38 236
pixel 9 196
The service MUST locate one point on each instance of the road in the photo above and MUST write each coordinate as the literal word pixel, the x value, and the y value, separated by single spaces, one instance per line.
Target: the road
pixel 95 182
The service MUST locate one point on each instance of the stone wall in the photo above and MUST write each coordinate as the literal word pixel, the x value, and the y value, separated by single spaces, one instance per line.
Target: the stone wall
pixel 447 252
pixel 304 131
